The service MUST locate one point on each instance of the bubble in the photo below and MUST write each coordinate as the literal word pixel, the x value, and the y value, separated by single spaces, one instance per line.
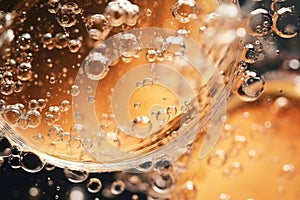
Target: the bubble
pixel 96 66
pixel 23 122
pixel 87 143
pixel 141 126
pixel 53 6
pixel 34 118
pixel 49 167
pixel 14 162
pixel 94 185
pixel 18 86
pixel 66 14
pixel 61 40
pixel 30 162
pixel 50 119
pixel 55 111
pixel 185 10
pixel 128 45
pixel 75 90
pixel 187 191
pixel 250 54
pixel 234 169
pixel 218 159
pixel 38 139
pixel 24 71
pixel 76 130
pixel 115 14
pixel 66 137
pixel 64 106
pixel 48 41
pixel 24 41
pixel 74 45
pixel 224 196
pixel 55 133
pixel 286 22
pixel 173 47
pixel 162 116
pixel 148 82
pixel 259 22
pixel 5 146
pixel 98 26
pixel 171 110
pixel 151 55
pixel 75 143
pixel 288 171
pixel 117 187
pixel 75 176
pixel 252 86
pixel 12 114
pixel 34 192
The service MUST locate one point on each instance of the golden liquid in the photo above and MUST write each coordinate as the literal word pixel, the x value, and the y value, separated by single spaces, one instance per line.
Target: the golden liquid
pixel 260 142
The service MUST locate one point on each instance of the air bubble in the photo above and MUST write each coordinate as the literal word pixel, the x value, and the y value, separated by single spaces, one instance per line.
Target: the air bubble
pixel 55 133
pixel 87 143
pixel 96 66
pixel 288 171
pixel 53 6
pixel 24 41
pixel 286 22
pixel 64 106
pixel 38 139
pixel 66 14
pixel 74 45
pixel 98 26
pixel 55 111
pixel 217 159
pixel 185 11
pixel 162 116
pixel 250 54
pixel 174 47
pixel 75 176
pixel 94 185
pixel 5 146
pixel 141 126
pixel 77 130
pixel 148 83
pixel 12 114
pixel 34 118
pixel 14 162
pixel 115 14
pixel 252 86
pixel 61 40
pixel 151 55
pixel 128 45
pixel 30 162
pixel 259 22
pixel 117 187
pixel 75 90
pixel 24 71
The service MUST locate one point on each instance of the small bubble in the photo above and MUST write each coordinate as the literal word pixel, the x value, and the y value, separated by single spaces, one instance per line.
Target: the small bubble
pixel 12 114
pixel 218 159
pixel 286 22
pixel 252 86
pixel 98 26
pixel 38 139
pixel 148 82
pixel 115 14
pixel 94 185
pixel 87 143
pixel 174 47
pixel 185 10
pixel 162 116
pixel 141 126
pixel 151 55
pixel 117 187
pixel 75 176
pixel 224 196
pixel 66 14
pixel 30 162
pixel 187 191
pixel 64 106
pixel 77 130
pixel 34 192
pixel 75 90
pixel 55 133
pixel 75 143
pixel 96 66
pixel 14 162
pixel 50 119
pixel 74 45
pixel 34 118
pixel 259 22
pixel 148 12
pixel 288 171
pixel 91 99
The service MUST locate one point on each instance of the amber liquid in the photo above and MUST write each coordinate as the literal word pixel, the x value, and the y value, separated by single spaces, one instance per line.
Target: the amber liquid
pixel 259 151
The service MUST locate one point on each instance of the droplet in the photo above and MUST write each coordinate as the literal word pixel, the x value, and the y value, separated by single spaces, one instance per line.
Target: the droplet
pixel 218 159
pixel 75 176
pixel 117 187
pixel 94 185
pixel 30 162
pixel 185 10
pixel 141 126
pixel 96 66
pixel 286 22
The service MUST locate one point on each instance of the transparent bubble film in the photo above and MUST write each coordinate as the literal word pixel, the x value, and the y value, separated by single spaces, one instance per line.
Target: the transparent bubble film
pixel 95 85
